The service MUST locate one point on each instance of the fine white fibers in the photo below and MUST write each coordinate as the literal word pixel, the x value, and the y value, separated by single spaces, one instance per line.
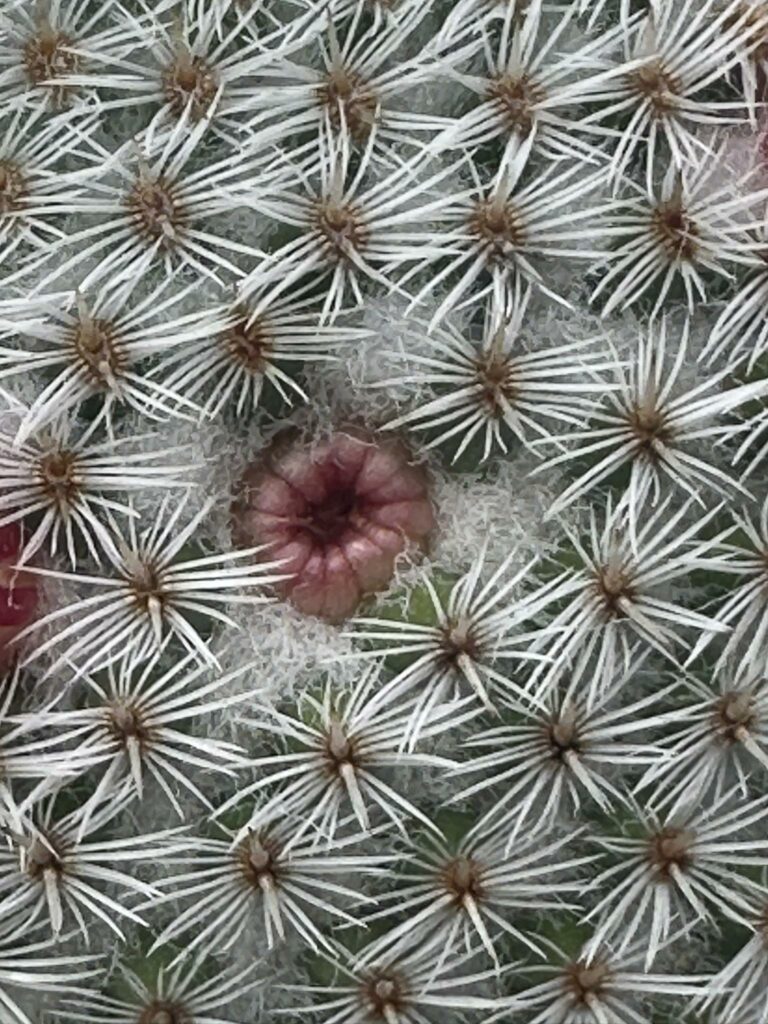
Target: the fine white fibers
pixel 383 511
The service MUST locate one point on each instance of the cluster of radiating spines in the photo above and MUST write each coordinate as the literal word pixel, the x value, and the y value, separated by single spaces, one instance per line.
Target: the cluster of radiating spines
pixel 631 820
pixel 198 201
pixel 172 201
pixel 328 147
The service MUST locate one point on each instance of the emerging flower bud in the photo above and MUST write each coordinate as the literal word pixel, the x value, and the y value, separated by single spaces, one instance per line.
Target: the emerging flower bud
pixel 339 513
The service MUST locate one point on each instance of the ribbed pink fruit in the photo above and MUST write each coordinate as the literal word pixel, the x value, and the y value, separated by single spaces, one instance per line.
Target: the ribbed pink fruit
pixel 339 513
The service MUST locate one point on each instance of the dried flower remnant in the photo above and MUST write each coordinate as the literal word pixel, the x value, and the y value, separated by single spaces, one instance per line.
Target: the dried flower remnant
pixel 339 512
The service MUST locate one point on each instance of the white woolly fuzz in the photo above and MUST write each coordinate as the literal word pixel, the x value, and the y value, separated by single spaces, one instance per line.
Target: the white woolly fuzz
pixel 383 511
pixel 477 512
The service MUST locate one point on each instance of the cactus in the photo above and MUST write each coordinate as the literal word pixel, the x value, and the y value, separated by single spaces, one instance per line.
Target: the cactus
pixel 383 511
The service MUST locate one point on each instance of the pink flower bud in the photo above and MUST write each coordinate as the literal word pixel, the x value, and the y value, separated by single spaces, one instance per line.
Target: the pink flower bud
pixel 339 513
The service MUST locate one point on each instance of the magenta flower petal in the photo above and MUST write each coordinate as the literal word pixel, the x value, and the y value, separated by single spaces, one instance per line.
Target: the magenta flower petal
pixel 18 592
